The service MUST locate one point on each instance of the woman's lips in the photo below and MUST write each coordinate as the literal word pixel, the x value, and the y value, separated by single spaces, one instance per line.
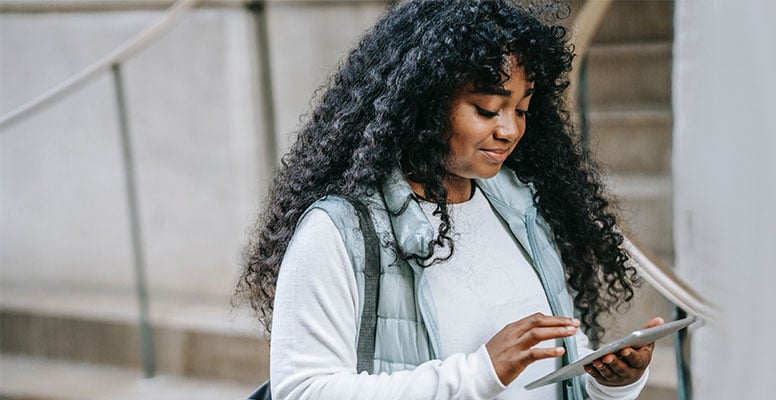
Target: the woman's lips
pixel 496 154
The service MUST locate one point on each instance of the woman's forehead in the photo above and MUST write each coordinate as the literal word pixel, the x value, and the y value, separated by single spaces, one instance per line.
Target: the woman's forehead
pixel 510 73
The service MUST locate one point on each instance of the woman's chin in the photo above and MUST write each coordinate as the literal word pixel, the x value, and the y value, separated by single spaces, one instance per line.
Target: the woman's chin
pixel 487 173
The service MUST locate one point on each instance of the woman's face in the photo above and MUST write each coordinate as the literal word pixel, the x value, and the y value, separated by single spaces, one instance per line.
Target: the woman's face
pixel 487 125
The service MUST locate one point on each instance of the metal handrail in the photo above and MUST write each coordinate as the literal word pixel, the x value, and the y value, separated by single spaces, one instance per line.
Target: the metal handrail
pixel 585 26
pixel 669 285
pixel 113 61
pixel 140 41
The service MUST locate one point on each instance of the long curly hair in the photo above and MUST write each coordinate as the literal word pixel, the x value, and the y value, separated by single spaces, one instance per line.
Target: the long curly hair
pixel 388 106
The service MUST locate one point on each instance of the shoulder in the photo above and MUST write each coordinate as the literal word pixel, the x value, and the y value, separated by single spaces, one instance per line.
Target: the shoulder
pixel 340 211
pixel 342 214
pixel 333 205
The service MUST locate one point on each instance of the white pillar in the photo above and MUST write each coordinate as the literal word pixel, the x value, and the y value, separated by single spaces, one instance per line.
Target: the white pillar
pixel 725 188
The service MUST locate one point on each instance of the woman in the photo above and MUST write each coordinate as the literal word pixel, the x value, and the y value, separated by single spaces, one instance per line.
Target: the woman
pixel 447 120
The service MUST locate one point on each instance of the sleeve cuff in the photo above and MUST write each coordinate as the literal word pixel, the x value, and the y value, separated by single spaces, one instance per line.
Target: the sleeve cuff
pixel 597 391
pixel 489 384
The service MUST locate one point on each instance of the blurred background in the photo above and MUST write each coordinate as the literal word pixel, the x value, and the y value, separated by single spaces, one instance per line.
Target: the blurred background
pixel 128 189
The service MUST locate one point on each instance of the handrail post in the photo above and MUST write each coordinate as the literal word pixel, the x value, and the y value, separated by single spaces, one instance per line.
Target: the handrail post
pixel 684 377
pixel 146 334
pixel 259 10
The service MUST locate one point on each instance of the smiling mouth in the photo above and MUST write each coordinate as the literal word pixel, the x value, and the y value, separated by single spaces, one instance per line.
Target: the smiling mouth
pixel 496 154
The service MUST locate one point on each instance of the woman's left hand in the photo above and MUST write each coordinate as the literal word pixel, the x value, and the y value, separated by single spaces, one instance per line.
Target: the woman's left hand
pixel 625 368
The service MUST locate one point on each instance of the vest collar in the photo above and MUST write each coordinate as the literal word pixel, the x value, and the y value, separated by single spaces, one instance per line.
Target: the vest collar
pixel 411 228
pixel 508 190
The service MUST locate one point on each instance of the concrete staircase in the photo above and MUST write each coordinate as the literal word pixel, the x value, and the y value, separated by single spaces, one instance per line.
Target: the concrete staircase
pixel 629 96
pixel 629 100
pixel 83 344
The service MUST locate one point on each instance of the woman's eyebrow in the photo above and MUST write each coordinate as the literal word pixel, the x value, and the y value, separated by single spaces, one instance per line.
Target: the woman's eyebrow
pixel 492 90
pixel 499 91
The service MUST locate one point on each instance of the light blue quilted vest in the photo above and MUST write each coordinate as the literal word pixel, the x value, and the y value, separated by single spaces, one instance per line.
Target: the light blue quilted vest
pixel 407 328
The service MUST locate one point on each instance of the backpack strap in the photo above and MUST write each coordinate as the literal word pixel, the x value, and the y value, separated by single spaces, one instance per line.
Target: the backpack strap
pixel 366 337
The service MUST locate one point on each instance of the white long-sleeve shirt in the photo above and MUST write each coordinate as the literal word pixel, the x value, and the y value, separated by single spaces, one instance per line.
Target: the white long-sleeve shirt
pixel 485 285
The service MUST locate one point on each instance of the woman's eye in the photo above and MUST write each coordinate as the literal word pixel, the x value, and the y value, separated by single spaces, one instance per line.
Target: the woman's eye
pixel 485 113
pixel 521 113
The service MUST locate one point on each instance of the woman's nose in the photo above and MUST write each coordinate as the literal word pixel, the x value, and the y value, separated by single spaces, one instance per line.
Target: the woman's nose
pixel 507 130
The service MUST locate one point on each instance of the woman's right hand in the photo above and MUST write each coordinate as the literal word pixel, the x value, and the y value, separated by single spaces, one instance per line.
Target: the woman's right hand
pixel 512 349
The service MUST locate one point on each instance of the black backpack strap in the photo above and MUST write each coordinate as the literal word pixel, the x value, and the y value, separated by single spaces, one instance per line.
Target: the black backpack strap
pixel 262 393
pixel 366 335
pixel 368 330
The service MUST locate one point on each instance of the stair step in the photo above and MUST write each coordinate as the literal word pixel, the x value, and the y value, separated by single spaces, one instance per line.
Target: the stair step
pixel 635 21
pixel 645 210
pixel 629 74
pixel 28 378
pixel 662 371
pixel 629 141
pixel 662 381
pixel 192 338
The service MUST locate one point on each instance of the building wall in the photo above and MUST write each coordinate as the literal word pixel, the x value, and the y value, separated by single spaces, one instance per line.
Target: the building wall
pixel 725 189
pixel 198 132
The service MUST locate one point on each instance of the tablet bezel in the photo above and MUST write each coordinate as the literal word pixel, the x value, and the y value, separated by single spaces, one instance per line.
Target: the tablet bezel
pixel 634 339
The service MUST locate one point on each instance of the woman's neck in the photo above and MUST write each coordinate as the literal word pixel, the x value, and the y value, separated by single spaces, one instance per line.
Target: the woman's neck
pixel 459 189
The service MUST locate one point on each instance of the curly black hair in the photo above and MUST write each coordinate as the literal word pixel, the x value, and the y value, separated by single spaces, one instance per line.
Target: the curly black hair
pixel 388 106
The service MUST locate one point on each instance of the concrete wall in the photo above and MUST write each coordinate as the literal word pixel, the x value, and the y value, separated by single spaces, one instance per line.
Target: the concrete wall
pixel 725 189
pixel 307 40
pixel 194 100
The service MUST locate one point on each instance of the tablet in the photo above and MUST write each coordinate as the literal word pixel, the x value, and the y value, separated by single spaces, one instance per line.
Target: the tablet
pixel 634 339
